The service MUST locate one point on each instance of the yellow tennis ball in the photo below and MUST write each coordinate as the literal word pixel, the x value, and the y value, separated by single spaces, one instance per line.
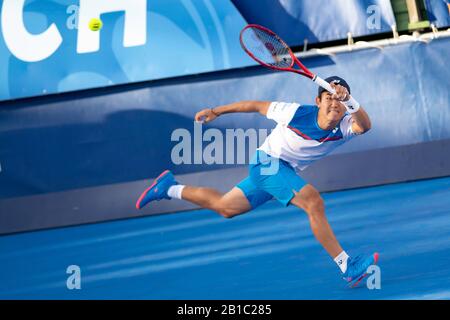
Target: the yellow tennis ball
pixel 95 24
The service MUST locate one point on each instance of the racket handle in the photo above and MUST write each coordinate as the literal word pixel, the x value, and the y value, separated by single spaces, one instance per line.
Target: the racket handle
pixel 323 84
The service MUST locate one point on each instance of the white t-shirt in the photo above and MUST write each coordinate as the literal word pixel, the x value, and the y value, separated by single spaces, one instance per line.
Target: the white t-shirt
pixel 298 139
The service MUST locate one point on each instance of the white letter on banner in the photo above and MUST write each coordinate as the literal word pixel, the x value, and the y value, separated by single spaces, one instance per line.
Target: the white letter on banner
pixel 22 44
pixel 135 33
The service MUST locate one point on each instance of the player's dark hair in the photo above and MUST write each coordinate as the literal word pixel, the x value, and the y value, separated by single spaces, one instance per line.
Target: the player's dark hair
pixel 335 80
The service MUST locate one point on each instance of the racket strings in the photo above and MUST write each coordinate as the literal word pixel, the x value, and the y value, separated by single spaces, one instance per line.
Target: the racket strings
pixel 267 48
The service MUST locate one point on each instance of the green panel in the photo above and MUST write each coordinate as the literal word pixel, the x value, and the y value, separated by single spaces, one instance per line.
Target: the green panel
pixel 419 25
pixel 399 6
pixel 402 17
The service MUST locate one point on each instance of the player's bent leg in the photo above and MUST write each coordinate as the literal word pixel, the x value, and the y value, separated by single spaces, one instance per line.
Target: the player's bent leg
pixel 201 196
pixel 354 269
pixel 309 199
pixel 233 203
pixel 227 205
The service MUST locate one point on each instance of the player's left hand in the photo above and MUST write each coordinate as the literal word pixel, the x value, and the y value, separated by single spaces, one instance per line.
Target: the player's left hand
pixel 205 116
pixel 341 92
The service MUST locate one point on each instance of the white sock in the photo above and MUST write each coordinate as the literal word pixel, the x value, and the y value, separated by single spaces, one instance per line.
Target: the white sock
pixel 341 261
pixel 175 191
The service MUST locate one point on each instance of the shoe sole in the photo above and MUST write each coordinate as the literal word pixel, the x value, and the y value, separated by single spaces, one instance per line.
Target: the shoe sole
pixel 149 188
pixel 375 258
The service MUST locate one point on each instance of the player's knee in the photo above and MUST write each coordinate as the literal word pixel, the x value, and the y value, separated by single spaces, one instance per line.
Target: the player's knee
pixel 228 213
pixel 315 205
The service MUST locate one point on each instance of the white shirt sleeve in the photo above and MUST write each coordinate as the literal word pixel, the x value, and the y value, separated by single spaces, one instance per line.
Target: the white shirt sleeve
pixel 346 127
pixel 282 112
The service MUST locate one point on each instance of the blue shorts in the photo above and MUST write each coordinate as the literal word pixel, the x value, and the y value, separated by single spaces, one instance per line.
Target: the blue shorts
pixel 270 177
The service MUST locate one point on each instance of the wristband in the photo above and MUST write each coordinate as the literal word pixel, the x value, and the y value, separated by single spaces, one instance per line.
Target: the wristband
pixel 351 105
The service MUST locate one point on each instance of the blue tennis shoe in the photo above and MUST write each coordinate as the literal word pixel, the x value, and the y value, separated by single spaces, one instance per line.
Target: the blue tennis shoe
pixel 157 190
pixel 357 268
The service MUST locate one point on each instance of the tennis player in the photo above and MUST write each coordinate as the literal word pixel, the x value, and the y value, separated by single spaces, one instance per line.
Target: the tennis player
pixel 304 134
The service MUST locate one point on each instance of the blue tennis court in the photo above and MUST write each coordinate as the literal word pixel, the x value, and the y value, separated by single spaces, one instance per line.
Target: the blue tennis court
pixel 269 253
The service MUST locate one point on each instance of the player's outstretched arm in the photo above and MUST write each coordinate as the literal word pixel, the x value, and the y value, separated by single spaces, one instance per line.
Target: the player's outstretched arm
pixel 208 115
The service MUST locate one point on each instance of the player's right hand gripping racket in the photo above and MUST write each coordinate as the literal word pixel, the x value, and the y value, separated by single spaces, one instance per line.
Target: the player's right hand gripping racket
pixel 268 49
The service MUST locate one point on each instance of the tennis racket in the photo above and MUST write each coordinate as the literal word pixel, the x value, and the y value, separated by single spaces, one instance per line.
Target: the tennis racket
pixel 268 49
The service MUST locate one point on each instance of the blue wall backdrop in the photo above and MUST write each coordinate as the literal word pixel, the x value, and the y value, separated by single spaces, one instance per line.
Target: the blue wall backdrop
pixel 319 20
pixel 438 12
pixel 41 55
